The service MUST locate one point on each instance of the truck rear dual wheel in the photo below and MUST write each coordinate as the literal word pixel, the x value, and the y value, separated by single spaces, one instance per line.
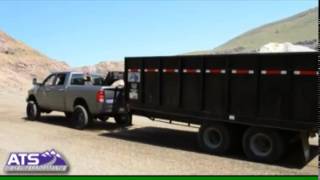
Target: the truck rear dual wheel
pixel 80 117
pixel 264 145
pixel 33 111
pixel 217 138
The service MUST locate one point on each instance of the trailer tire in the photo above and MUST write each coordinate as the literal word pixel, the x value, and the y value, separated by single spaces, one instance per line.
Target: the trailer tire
pixel 264 145
pixel 33 111
pixel 123 119
pixel 215 138
pixel 80 117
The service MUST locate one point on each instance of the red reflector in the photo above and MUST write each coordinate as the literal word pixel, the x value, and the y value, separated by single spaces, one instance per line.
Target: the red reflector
pixel 215 71
pixel 305 73
pixel 100 96
pixel 133 70
pixel 191 71
pixel 273 72
pixel 151 70
pixel 170 70
pixel 242 71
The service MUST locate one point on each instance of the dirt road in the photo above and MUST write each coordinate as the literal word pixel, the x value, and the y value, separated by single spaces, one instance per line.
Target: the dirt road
pixel 145 148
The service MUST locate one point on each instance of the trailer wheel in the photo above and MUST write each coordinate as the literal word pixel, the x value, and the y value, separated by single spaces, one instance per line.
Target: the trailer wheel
pixel 33 111
pixel 263 145
pixel 123 119
pixel 215 138
pixel 80 117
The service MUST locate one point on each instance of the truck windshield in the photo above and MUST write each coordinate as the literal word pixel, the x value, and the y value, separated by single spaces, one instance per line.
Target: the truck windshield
pixel 79 79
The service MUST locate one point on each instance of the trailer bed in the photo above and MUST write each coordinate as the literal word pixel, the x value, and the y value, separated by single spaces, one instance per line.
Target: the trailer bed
pixel 275 90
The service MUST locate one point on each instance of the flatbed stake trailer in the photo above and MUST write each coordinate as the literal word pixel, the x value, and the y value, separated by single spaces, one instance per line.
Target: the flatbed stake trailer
pixel 259 102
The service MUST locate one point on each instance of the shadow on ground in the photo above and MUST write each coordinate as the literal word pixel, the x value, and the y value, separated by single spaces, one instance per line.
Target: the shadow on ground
pixel 187 141
pixel 62 121
pixel 176 139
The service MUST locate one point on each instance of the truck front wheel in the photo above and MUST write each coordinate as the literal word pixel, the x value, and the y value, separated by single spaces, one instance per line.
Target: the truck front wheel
pixel 123 119
pixel 263 145
pixel 215 138
pixel 80 117
pixel 33 111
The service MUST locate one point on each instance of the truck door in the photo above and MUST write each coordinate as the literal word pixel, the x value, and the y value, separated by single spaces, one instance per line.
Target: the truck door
pixel 56 93
pixel 43 91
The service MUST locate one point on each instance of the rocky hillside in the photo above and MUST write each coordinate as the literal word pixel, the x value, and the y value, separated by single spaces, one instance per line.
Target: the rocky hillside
pixel 301 29
pixel 19 64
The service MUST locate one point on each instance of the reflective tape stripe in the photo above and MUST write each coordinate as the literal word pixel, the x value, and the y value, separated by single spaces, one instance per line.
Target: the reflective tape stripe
pixel 133 70
pixel 191 71
pixel 170 70
pixel 242 71
pixel 151 70
pixel 215 71
pixel 274 72
pixel 305 73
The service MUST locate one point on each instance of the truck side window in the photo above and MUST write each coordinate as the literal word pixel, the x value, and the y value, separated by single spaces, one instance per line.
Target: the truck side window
pixel 77 79
pixel 60 79
pixel 97 80
pixel 49 81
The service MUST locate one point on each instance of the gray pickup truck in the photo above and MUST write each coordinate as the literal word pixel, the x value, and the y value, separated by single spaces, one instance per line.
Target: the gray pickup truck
pixel 80 96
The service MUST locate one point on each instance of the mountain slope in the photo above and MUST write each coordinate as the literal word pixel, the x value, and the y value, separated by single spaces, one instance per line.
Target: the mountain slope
pixel 19 63
pixel 300 29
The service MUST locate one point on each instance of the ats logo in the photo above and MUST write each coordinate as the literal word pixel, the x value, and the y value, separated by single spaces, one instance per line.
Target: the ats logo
pixel 48 161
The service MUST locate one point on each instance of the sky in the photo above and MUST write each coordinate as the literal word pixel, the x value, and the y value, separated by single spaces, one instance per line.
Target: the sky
pixel 87 32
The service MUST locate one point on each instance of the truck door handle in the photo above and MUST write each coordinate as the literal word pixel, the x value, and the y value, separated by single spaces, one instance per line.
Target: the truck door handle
pixel 61 89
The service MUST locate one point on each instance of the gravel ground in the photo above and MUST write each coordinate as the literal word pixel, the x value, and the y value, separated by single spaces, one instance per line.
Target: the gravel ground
pixel 145 148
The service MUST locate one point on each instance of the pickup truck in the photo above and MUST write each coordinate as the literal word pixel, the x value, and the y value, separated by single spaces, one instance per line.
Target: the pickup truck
pixel 82 97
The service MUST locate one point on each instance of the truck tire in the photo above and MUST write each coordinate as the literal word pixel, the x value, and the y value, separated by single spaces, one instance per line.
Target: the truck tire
pixel 33 111
pixel 123 119
pixel 215 138
pixel 264 145
pixel 80 117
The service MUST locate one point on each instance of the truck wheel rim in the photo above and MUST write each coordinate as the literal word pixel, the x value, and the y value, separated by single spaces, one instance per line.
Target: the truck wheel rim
pixel 261 144
pixel 213 138
pixel 81 117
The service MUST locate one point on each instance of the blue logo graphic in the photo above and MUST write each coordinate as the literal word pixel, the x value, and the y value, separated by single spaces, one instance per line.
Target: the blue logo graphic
pixel 48 161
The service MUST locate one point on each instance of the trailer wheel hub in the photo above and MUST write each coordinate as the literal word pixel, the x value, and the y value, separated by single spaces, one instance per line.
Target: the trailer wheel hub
pixel 261 144
pixel 213 137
